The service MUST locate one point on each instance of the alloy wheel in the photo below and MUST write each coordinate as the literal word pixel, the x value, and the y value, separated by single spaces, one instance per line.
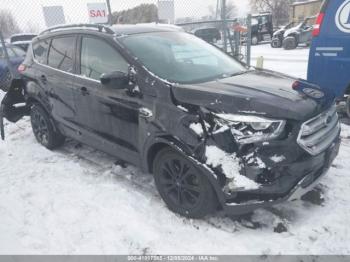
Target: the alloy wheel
pixel 180 183
pixel 40 128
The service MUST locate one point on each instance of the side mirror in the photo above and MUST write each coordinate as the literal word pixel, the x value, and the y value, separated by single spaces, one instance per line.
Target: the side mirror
pixel 116 80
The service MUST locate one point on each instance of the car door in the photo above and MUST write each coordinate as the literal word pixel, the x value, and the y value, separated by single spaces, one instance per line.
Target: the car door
pixel 108 116
pixel 57 78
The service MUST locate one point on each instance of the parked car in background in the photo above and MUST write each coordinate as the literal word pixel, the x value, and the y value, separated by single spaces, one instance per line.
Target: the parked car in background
pixel 214 133
pixel 300 34
pixel 262 28
pixel 22 40
pixel 278 35
pixel 16 57
pixel 208 34
pixel 329 59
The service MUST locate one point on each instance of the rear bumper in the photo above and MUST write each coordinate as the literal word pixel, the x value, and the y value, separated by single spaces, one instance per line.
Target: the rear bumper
pixel 293 189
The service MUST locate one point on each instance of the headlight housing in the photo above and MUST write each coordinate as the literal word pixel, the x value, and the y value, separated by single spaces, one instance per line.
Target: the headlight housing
pixel 251 129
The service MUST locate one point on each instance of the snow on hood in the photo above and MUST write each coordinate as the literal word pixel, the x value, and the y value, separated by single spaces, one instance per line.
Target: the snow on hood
pixel 291 30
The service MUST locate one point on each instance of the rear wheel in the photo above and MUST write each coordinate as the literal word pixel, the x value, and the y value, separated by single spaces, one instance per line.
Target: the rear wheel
pixel 43 128
pixel 255 40
pixel 290 43
pixel 184 189
pixel 276 43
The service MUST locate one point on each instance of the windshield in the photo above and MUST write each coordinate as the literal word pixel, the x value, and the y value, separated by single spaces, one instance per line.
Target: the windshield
pixel 180 57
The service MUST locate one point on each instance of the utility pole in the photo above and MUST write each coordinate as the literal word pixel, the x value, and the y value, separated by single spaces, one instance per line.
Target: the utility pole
pixel 249 38
pixel 217 8
pixel 224 23
pixel 109 12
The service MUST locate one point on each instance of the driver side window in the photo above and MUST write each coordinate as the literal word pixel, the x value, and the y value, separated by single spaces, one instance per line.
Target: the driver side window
pixel 98 57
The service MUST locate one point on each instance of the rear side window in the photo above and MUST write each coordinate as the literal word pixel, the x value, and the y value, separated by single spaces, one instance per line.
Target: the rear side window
pixel 98 57
pixel 61 53
pixel 40 50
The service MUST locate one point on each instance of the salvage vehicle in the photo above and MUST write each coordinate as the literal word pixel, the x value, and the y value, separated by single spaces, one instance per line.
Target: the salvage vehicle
pixel 16 57
pixel 22 40
pixel 262 28
pixel 215 133
pixel 329 57
pixel 301 34
pixel 278 35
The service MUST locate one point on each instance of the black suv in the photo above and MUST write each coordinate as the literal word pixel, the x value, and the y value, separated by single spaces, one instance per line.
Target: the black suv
pixel 213 132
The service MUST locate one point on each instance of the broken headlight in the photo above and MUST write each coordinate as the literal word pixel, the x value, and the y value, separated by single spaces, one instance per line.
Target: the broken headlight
pixel 250 129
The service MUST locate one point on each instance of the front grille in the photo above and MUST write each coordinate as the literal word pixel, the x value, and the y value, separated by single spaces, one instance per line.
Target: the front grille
pixel 318 133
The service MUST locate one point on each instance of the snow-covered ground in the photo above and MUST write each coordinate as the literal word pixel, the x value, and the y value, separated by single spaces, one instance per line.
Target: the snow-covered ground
pixel 292 62
pixel 75 200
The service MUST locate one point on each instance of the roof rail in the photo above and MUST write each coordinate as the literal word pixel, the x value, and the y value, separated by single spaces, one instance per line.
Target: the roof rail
pixel 100 28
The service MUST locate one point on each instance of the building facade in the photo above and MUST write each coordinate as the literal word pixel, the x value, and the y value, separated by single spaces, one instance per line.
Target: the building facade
pixel 301 10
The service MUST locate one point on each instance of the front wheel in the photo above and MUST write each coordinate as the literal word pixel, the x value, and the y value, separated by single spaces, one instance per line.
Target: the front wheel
pixel 43 128
pixel 184 189
pixel 290 43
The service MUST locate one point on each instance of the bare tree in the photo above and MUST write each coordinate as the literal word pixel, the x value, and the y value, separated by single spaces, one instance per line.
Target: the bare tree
pixel 231 10
pixel 32 27
pixel 278 8
pixel 8 24
pixel 144 13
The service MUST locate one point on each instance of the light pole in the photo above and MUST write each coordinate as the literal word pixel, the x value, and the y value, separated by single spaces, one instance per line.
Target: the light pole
pixel 109 12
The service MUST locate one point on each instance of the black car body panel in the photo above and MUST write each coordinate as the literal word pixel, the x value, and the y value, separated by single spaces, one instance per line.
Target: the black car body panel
pixel 140 117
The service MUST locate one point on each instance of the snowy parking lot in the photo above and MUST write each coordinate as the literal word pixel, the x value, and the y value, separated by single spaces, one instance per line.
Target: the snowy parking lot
pixel 76 200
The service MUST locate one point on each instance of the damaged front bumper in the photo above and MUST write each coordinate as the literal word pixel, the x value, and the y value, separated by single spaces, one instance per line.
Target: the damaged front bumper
pixel 297 181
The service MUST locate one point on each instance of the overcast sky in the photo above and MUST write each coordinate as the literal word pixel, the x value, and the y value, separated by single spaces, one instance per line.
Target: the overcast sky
pixel 29 12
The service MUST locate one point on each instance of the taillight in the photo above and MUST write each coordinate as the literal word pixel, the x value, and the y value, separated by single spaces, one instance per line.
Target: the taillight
pixel 317 26
pixel 21 68
pixel 296 85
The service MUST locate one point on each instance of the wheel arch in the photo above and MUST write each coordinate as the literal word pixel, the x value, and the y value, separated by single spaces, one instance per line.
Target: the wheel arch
pixel 32 100
pixel 171 142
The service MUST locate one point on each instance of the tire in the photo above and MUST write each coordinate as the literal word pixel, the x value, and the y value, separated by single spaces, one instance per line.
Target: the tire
pixel 276 43
pixel 43 128
pixel 348 106
pixel 255 40
pixel 290 43
pixel 190 193
pixel 6 80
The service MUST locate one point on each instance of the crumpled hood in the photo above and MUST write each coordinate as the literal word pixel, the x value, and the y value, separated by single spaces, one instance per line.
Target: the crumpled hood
pixel 258 92
pixel 292 30
pixel 279 31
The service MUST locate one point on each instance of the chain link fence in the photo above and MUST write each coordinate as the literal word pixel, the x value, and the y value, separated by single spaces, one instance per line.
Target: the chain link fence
pixel 210 20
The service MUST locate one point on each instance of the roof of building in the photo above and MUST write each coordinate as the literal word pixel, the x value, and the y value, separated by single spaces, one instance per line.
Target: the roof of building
pixel 306 2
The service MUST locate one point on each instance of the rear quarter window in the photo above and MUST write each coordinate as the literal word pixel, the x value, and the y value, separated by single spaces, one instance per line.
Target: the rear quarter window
pixel 40 51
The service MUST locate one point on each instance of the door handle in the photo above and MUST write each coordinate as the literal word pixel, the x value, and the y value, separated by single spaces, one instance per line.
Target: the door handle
pixel 43 79
pixel 84 91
